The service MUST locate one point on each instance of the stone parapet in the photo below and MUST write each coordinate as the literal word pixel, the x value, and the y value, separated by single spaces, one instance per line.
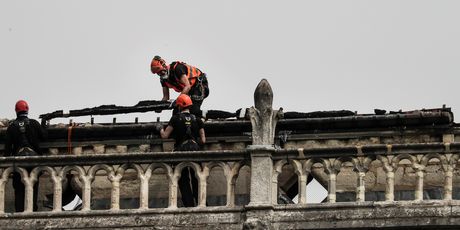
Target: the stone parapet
pixel 368 215
pixel 264 211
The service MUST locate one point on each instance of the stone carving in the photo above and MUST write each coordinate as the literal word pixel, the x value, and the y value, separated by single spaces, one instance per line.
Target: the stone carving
pixel 263 117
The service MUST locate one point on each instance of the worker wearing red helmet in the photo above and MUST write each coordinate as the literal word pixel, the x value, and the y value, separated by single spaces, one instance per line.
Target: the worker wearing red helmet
pixel 22 139
pixel 23 134
pixel 187 128
pixel 189 134
pixel 182 78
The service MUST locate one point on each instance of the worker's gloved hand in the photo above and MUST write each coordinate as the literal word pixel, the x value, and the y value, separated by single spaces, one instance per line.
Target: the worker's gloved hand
pixel 158 127
pixel 173 104
pixel 44 123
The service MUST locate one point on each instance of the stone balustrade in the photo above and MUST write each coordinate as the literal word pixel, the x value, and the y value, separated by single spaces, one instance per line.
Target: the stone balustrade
pixel 328 160
pixel 114 166
pixel 366 163
pixel 305 162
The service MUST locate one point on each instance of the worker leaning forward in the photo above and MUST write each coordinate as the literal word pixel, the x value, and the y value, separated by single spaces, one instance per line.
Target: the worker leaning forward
pixel 189 134
pixel 182 78
pixel 22 139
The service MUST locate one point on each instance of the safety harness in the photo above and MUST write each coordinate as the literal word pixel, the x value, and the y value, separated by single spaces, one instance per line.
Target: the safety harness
pixel 24 148
pixel 190 143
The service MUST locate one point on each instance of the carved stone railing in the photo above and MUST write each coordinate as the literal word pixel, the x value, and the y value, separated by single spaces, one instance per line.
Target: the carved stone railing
pixel 115 165
pixel 387 158
pixel 304 161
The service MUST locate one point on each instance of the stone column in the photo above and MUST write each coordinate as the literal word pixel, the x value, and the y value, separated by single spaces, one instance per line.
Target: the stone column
pixel 303 189
pixel 390 186
pixel 448 183
pixel 144 189
pixel 173 180
pixel 261 174
pixel 263 120
pixel 419 188
pixel 57 197
pixel 86 199
pixel 202 187
pixel 361 189
pixel 115 197
pixel 29 193
pixel 230 191
pixel 2 195
pixel 332 185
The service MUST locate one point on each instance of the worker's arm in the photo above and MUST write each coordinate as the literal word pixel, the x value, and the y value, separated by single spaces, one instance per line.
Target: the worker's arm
pixel 186 83
pixel 42 130
pixel 201 132
pixel 165 133
pixel 165 94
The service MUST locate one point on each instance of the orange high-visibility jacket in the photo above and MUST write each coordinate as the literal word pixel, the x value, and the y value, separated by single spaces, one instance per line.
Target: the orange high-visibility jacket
pixel 192 74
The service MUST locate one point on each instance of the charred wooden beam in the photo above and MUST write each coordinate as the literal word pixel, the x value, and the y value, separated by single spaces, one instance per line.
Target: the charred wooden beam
pixel 420 118
pixel 318 114
pixel 141 107
pixel 438 118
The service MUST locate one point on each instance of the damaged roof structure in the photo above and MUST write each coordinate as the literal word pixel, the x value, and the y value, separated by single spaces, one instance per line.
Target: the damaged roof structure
pixel 224 123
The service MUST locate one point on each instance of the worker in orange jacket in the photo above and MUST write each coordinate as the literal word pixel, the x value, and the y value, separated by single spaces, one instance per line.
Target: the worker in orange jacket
pixel 184 79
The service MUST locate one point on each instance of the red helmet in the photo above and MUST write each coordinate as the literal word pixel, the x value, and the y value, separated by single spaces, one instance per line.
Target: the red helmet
pixel 183 101
pixel 21 106
pixel 157 65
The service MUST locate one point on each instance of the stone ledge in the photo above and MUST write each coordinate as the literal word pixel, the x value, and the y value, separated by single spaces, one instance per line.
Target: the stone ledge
pixel 369 215
pixel 366 215
pixel 189 218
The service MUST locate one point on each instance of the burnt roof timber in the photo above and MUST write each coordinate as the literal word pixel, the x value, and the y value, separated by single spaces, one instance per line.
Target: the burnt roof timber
pixel 439 119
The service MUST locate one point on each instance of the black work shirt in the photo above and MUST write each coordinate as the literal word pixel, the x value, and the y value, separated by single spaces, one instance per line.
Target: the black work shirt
pixel 180 129
pixel 15 139
pixel 175 74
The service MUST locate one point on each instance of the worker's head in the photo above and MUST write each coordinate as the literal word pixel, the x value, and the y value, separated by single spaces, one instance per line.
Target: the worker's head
pixel 158 66
pixel 184 101
pixel 21 107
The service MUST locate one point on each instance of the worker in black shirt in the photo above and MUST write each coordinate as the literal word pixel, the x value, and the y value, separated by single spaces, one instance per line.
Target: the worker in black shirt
pixel 182 78
pixel 23 134
pixel 189 134
pixel 22 139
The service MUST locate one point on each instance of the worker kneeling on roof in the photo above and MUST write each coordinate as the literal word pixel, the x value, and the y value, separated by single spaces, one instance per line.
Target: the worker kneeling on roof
pixel 182 78
pixel 189 134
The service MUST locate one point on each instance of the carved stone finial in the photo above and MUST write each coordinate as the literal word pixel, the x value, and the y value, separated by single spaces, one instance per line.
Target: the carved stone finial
pixel 263 117
pixel 263 96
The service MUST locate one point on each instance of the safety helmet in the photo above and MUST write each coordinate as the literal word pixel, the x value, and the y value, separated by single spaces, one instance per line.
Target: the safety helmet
pixel 21 106
pixel 157 65
pixel 183 101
